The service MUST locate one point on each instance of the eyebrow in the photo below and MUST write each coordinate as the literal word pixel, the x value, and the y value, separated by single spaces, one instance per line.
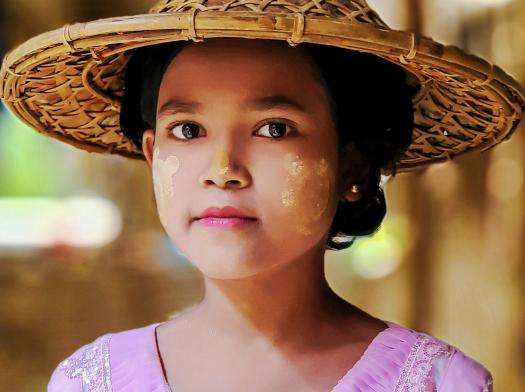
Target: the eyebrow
pixel 256 104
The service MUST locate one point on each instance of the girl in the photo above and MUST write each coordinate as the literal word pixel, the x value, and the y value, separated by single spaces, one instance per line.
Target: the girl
pixel 264 155
pixel 244 150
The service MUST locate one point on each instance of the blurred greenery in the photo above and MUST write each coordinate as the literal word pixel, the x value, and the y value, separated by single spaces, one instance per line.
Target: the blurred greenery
pixel 23 148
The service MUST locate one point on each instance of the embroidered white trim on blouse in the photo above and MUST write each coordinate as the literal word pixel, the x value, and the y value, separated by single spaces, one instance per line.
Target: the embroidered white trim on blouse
pixel 91 364
pixel 415 376
pixel 489 385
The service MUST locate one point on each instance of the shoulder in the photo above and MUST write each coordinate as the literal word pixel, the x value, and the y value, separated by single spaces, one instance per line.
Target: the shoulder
pixel 97 365
pixel 88 365
pixel 466 374
pixel 435 363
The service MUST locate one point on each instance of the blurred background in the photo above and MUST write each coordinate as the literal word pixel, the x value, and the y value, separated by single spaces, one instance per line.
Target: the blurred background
pixel 82 252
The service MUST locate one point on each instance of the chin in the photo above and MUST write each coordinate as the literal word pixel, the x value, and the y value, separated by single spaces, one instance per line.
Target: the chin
pixel 228 275
pixel 228 264
pixel 228 272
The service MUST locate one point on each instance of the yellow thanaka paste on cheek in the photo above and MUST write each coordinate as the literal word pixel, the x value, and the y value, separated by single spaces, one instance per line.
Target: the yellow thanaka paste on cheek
pixel 163 172
pixel 307 193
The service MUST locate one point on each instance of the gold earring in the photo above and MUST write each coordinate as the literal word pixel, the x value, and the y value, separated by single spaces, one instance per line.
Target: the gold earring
pixel 355 189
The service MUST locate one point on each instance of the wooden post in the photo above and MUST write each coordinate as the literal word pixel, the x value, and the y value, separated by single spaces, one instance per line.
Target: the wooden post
pixel 423 220
pixel 415 16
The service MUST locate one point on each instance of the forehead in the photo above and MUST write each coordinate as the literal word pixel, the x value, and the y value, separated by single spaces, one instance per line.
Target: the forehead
pixel 241 68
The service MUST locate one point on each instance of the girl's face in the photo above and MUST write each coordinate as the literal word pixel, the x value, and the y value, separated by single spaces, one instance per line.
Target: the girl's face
pixel 244 123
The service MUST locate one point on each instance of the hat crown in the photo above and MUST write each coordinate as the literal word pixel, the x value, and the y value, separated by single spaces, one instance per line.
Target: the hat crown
pixel 354 11
pixel 69 83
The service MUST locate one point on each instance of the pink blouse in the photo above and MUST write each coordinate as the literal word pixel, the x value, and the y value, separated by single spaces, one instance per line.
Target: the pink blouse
pixel 399 359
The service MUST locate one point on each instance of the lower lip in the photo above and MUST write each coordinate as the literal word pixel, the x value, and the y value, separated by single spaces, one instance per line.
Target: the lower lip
pixel 226 222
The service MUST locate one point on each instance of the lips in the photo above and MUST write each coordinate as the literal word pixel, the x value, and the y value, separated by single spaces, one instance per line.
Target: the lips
pixel 224 212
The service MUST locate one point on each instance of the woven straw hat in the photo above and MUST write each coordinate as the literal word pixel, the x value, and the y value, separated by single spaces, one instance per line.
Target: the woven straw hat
pixel 67 83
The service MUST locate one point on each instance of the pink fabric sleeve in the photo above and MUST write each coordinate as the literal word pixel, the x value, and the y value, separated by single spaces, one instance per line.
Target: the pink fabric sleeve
pixel 86 370
pixel 59 382
pixel 463 373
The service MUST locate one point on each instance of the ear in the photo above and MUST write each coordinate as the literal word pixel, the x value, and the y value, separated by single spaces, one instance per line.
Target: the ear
pixel 353 170
pixel 148 142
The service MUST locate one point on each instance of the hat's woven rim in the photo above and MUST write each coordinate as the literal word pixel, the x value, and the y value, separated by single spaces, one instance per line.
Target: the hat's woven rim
pixel 102 44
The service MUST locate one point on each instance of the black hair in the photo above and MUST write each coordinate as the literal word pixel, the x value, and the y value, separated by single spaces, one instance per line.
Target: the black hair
pixel 370 99
pixel 142 79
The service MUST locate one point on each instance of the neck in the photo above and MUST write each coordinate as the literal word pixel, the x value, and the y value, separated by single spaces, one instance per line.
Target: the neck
pixel 283 305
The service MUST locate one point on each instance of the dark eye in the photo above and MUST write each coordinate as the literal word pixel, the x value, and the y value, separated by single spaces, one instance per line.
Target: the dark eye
pixel 276 130
pixel 185 130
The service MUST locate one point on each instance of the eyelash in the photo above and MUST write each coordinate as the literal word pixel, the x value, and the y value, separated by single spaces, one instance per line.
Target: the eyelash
pixel 292 131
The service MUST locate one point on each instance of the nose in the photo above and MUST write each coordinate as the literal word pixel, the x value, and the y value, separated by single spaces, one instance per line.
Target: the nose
pixel 223 172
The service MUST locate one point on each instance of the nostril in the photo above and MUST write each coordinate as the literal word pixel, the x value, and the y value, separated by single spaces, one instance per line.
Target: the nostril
pixel 229 182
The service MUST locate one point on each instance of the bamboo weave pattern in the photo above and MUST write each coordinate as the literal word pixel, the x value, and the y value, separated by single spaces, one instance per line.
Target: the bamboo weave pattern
pixel 70 89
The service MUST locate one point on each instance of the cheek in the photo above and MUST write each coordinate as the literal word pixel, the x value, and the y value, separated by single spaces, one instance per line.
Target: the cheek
pixel 163 183
pixel 306 195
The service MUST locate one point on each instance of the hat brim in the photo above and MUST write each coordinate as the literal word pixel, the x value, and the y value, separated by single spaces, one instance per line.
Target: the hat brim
pixel 67 83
